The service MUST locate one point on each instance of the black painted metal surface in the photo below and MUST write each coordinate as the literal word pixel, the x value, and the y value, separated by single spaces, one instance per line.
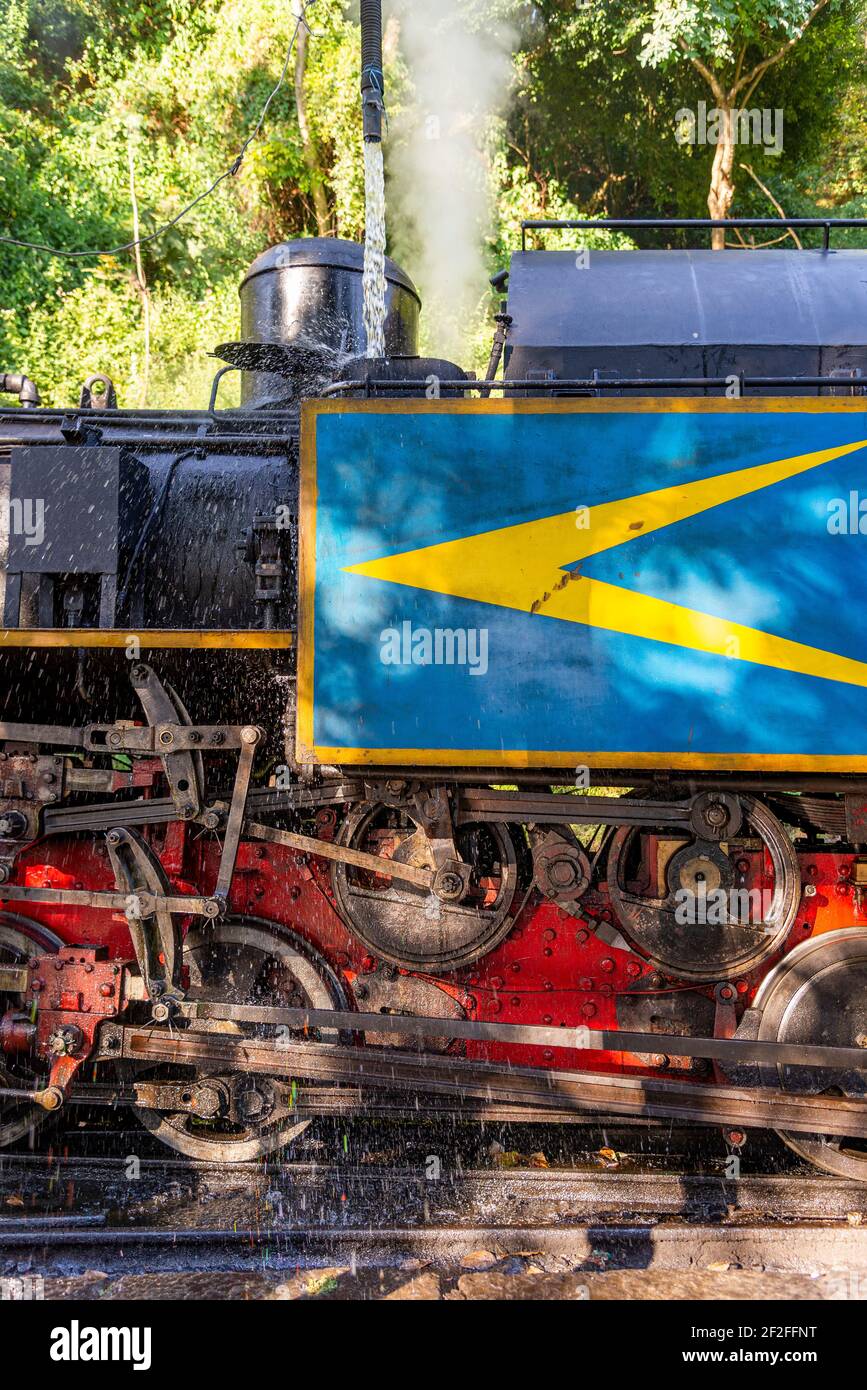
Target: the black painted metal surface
pixel 693 314
pixel 203 482
pixel 310 293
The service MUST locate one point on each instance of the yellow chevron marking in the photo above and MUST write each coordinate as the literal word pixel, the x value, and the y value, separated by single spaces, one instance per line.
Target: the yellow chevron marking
pixel 521 567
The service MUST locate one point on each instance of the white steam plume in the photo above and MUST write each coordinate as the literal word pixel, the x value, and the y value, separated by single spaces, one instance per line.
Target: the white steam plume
pixel 459 55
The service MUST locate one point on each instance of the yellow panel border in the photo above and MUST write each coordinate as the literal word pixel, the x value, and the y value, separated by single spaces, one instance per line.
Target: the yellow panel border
pixel 172 639
pixel 306 750
pixel 516 759
pixel 596 405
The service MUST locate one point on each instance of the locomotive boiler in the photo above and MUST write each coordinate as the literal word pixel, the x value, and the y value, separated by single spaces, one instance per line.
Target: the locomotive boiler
pixel 410 742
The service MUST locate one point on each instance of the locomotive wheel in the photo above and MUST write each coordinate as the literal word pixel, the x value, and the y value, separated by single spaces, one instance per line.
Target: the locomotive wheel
pixel 818 995
pixel 707 951
pixel 19 939
pixel 243 961
pixel 405 926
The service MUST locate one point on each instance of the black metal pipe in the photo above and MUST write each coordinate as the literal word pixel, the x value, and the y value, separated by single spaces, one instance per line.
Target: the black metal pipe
pixel 215 386
pixel 504 322
pixel 372 77
pixel 17 384
pixel 598 385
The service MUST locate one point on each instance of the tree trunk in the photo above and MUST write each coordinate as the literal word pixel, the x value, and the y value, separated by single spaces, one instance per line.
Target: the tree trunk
pixel 311 153
pixel 722 189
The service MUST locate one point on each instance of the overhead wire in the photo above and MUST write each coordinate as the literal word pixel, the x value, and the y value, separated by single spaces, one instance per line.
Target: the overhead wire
pixel 206 193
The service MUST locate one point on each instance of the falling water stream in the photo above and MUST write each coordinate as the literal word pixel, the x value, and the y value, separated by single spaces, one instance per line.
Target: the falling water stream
pixel 374 249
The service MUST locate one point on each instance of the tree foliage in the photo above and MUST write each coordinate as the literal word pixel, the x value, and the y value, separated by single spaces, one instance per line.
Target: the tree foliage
pixel 622 71
pixel 590 131
pixel 184 81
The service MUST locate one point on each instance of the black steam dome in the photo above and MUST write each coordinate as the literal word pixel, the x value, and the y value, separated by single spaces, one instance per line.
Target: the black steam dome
pixel 308 295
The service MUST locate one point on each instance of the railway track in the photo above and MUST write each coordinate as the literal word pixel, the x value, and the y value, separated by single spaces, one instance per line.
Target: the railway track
pixel 84 1213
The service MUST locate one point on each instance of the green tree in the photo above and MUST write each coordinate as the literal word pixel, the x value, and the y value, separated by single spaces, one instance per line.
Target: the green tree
pixel 732 45
pixel 188 79
pixel 600 86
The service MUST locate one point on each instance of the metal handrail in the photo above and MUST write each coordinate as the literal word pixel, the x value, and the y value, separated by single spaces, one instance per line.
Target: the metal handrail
pixel 695 223
pixel 598 384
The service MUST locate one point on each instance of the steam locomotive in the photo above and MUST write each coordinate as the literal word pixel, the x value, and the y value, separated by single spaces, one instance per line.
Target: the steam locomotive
pixel 411 743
